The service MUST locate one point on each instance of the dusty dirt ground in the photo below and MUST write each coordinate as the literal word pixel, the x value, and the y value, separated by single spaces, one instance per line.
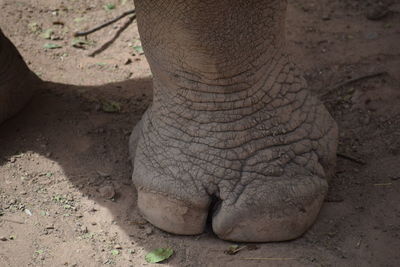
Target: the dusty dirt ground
pixel 66 198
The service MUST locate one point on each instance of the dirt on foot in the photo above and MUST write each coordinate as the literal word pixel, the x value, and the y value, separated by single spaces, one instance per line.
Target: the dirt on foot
pixel 66 198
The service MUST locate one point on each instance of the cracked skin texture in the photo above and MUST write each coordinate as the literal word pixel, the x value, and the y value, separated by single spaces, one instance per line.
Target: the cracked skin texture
pixel 232 120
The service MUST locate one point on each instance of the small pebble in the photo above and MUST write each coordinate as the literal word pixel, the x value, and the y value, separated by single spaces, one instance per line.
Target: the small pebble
pixel 326 17
pixel 372 35
pixel 366 120
pixel 107 191
pixel 84 229
pixel 128 61
pixel 2 238
pixel 148 230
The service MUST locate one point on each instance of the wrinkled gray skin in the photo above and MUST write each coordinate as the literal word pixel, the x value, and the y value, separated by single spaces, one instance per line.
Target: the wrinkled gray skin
pixel 232 129
pixel 231 119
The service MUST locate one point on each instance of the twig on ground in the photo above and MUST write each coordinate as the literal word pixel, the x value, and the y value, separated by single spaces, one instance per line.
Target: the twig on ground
pixel 117 34
pixel 12 221
pixel 77 34
pixel 233 251
pixel 239 249
pixel 359 161
pixel 269 259
pixel 350 81
pixel 384 184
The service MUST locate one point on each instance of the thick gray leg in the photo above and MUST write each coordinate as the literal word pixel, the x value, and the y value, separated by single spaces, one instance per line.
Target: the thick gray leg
pixel 17 82
pixel 232 120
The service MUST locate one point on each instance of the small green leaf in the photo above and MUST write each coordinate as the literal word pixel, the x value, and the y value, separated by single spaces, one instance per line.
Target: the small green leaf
pixel 44 213
pixel 40 251
pixel 109 6
pixel 81 43
pixel 159 255
pixel 88 236
pixel 77 41
pixel 233 249
pixel 139 49
pixel 111 106
pixel 12 237
pixel 34 27
pixel 38 73
pixel 77 20
pixel 58 198
pixel 47 34
pixel 387 26
pixel 115 252
pixel 51 46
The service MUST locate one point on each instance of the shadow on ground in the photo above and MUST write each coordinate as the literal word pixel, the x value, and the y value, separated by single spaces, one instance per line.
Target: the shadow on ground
pixel 81 150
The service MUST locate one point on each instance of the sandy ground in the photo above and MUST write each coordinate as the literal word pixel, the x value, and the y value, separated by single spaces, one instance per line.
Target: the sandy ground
pixel 66 198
